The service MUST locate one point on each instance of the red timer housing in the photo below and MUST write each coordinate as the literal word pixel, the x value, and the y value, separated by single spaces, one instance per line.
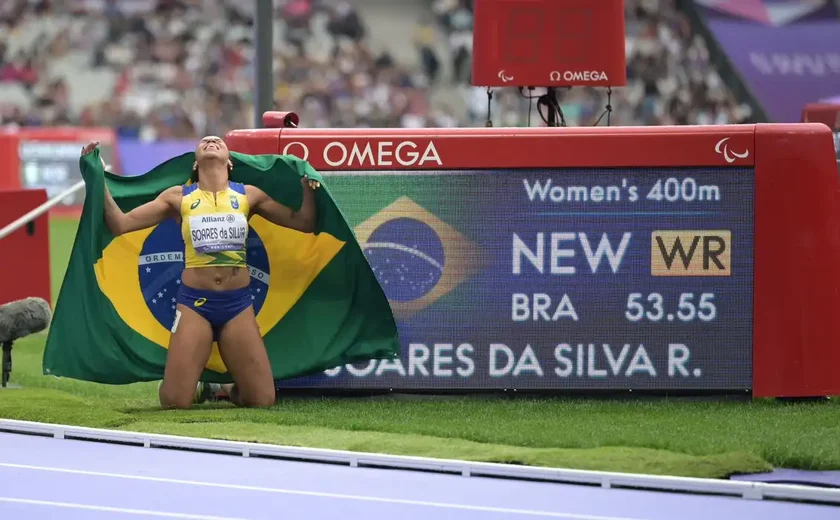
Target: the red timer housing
pixel 548 43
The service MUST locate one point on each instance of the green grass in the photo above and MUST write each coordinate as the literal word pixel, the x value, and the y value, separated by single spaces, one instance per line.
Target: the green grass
pixel 673 437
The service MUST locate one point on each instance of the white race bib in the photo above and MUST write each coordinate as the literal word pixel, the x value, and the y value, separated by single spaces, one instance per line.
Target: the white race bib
pixel 218 232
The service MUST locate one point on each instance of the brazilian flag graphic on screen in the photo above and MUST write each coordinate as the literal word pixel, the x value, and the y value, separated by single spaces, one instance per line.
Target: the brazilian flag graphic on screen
pixel 317 300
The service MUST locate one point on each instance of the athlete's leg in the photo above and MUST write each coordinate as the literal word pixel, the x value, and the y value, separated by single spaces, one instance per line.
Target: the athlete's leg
pixel 189 351
pixel 243 352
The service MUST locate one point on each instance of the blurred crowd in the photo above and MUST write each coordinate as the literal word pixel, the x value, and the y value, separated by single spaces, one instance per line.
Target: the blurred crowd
pixel 163 69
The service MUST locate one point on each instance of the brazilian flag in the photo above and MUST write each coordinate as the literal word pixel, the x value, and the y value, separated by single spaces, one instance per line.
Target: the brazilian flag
pixel 317 300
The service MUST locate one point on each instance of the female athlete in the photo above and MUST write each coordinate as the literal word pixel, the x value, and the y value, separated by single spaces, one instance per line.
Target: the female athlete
pixel 214 299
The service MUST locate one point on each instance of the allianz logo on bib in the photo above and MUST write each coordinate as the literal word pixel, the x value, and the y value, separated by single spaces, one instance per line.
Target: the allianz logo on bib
pixel 211 219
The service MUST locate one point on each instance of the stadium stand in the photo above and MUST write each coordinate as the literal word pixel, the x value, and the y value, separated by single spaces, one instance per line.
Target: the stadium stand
pixel 170 69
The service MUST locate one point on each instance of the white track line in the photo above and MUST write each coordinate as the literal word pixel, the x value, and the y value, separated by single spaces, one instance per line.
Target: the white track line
pixel 319 494
pixel 89 507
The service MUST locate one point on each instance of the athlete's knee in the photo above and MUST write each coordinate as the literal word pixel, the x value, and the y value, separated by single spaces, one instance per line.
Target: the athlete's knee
pixel 262 397
pixel 170 398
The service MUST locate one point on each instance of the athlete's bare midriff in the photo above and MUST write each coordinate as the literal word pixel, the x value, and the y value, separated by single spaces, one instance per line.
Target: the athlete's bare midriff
pixel 217 278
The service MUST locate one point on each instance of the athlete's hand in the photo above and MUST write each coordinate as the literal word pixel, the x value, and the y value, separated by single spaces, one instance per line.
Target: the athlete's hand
pixel 91 146
pixel 312 184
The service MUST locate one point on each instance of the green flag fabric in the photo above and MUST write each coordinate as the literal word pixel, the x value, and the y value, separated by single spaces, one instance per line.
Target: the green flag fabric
pixel 317 300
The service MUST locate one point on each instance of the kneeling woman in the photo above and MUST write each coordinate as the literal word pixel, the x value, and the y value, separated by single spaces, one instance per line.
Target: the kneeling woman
pixel 214 300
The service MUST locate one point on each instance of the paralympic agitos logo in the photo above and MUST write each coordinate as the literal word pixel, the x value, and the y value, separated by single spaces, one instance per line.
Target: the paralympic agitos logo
pixel 729 155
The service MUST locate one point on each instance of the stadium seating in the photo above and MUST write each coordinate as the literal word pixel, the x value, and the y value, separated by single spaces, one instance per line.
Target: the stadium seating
pixel 169 69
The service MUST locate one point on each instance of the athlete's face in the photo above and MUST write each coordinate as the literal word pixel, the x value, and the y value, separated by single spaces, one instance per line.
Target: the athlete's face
pixel 212 147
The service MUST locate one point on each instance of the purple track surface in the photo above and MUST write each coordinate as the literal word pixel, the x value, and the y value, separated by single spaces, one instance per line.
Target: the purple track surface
pixel 42 477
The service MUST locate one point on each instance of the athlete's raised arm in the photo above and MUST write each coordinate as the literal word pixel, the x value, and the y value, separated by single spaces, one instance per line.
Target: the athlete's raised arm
pixel 302 220
pixel 154 212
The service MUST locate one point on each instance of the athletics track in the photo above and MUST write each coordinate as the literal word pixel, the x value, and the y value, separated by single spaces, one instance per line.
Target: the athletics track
pixel 46 477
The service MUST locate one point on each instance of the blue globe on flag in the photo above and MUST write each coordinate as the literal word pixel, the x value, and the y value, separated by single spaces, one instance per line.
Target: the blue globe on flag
pixel 407 257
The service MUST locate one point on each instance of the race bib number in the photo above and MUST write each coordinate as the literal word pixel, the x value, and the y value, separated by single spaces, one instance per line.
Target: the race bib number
pixel 218 232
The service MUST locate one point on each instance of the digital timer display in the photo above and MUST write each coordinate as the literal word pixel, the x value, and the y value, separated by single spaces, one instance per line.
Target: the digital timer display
pixel 549 43
pixel 532 38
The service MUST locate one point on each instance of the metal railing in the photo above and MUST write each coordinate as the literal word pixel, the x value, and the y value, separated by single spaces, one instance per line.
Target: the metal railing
pixel 40 210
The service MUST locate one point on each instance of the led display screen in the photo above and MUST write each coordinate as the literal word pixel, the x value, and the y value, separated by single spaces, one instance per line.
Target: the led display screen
pixel 557 278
